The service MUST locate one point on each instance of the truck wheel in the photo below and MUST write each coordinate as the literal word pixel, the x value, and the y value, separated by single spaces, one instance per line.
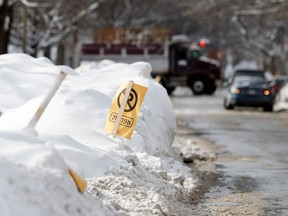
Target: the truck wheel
pixel 164 83
pixel 170 90
pixel 198 86
pixel 210 87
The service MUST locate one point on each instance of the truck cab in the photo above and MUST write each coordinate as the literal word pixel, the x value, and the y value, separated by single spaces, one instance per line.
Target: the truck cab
pixel 175 62
pixel 187 67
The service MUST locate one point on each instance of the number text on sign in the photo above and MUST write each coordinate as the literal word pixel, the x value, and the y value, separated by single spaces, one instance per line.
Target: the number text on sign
pixel 125 121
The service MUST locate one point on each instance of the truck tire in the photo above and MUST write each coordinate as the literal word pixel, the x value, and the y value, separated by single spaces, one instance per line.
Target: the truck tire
pixel 170 90
pixel 198 86
pixel 164 83
pixel 210 87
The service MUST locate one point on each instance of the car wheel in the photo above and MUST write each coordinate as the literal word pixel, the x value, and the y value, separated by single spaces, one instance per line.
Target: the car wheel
pixel 210 87
pixel 228 105
pixel 268 108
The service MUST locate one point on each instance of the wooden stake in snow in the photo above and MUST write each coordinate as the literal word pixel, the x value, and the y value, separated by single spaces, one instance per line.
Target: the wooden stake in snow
pixel 61 76
pixel 122 107
pixel 157 78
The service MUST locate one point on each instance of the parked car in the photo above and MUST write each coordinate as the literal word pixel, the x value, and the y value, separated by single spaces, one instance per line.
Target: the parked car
pixel 250 88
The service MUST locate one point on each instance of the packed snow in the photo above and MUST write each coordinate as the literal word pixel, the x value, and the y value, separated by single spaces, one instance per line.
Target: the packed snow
pixel 281 101
pixel 141 176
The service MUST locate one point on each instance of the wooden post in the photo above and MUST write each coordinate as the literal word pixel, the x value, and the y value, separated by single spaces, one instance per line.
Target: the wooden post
pixel 122 107
pixel 61 76
pixel 158 78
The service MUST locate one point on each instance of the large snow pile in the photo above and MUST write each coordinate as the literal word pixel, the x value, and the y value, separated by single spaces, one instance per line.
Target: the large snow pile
pixel 281 100
pixel 141 176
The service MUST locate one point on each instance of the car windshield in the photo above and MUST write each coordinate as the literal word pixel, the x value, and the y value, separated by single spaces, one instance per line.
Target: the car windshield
pixel 247 78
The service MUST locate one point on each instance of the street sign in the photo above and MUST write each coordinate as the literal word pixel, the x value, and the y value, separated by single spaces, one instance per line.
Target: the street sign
pixel 124 110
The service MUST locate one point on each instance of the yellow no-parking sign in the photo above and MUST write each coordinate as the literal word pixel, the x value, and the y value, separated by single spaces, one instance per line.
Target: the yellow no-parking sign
pixel 124 110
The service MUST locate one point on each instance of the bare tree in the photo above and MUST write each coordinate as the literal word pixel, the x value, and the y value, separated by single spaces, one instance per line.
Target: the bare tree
pixel 39 25
pixel 138 13
pixel 251 28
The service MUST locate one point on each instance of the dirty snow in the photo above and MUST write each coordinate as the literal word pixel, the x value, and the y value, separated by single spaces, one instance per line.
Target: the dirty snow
pixel 141 176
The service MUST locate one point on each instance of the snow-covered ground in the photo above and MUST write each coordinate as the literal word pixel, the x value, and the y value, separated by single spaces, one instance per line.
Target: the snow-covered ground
pixel 141 176
pixel 281 101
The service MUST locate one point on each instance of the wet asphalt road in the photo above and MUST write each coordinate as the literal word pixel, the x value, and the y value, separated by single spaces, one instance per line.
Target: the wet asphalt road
pixel 253 161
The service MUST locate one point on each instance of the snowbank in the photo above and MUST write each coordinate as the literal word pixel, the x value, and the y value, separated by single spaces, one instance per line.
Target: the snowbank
pixel 281 101
pixel 143 176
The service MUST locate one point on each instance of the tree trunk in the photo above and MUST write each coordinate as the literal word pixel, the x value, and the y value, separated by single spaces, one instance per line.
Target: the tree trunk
pixel 47 52
pixel 6 12
pixel 60 54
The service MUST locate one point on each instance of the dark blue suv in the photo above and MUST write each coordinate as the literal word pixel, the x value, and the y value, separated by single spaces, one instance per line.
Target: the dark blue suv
pixel 250 88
